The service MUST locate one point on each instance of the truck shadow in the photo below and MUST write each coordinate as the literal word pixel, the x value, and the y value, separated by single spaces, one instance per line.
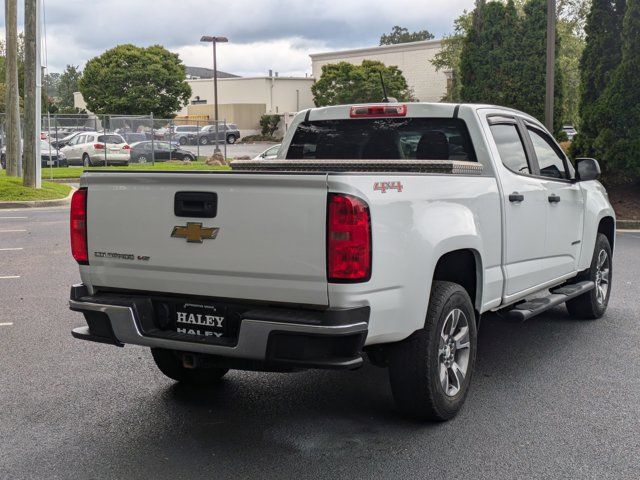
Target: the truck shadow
pixel 261 417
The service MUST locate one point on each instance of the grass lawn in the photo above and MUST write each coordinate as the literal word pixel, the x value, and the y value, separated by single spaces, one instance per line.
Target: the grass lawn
pixel 75 172
pixel 11 190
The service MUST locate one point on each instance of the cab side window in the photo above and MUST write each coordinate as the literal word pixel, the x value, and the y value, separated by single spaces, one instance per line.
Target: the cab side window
pixel 510 147
pixel 551 162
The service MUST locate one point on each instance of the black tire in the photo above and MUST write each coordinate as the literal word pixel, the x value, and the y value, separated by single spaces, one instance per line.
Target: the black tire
pixel 204 140
pixel 170 363
pixel 191 158
pixel 86 161
pixel 593 304
pixel 182 140
pixel 415 364
pixel 231 139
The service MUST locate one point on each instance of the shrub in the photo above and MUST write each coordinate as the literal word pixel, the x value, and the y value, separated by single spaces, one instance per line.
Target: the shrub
pixel 269 124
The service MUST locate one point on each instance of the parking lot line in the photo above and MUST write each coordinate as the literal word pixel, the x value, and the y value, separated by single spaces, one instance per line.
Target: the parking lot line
pixel 12 249
pixel 13 218
pixel 6 324
pixel 12 231
pixel 9 277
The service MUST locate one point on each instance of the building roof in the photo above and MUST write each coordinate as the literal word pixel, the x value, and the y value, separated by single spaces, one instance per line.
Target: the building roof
pixel 201 72
pixel 377 49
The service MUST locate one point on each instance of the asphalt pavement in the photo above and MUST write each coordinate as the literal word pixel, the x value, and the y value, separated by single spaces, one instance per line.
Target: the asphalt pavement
pixel 550 398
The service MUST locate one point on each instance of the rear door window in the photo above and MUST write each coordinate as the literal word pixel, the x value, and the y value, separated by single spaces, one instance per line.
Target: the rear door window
pixel 383 139
pixel 510 147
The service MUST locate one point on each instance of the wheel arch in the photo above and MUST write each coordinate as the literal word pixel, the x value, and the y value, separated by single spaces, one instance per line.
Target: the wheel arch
pixel 607 226
pixel 464 267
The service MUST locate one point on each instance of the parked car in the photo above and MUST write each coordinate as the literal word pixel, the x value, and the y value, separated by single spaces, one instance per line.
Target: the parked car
pixel 94 148
pixel 570 130
pixel 185 134
pixel 64 141
pixel 47 154
pixel 349 249
pixel 228 133
pixel 133 137
pixel 271 152
pixel 141 152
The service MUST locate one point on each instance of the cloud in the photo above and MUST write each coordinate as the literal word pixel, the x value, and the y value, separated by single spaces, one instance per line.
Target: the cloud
pixel 277 34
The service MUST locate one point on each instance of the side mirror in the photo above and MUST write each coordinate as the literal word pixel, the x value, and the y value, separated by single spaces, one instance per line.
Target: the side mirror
pixel 587 169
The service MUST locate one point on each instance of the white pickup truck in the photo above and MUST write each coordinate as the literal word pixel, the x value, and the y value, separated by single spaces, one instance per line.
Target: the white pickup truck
pixel 384 229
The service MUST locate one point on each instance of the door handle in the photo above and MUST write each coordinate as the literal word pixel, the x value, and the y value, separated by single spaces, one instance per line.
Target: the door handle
pixel 554 198
pixel 516 197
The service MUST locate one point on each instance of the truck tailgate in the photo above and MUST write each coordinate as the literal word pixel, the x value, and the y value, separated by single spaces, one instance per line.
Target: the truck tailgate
pixel 270 246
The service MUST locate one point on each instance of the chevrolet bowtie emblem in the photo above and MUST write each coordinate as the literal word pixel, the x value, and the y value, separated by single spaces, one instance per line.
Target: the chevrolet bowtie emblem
pixel 194 232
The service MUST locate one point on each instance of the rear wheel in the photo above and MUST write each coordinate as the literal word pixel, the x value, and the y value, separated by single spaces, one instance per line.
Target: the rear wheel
pixel 182 140
pixel 430 371
pixel 170 362
pixel 86 161
pixel 593 304
pixel 142 159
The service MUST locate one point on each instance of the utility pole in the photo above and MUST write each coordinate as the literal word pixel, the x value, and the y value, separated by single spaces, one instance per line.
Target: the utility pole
pixel 12 118
pixel 32 100
pixel 551 61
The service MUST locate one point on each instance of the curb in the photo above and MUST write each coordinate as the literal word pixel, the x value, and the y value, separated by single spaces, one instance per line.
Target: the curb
pixel 627 224
pixel 39 203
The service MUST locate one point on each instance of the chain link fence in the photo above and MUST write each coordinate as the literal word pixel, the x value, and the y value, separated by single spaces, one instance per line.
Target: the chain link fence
pixel 106 140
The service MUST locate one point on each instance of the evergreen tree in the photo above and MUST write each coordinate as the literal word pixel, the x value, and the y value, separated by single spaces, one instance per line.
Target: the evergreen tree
pixel 488 54
pixel 618 109
pixel 530 86
pixel 600 57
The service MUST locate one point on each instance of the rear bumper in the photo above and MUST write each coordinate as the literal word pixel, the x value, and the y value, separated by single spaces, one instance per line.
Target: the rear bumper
pixel 269 336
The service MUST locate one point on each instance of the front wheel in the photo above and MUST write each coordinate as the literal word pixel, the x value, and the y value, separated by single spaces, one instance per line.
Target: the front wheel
pixel 431 370
pixel 182 141
pixel 170 363
pixel 593 304
pixel 204 140
pixel 142 159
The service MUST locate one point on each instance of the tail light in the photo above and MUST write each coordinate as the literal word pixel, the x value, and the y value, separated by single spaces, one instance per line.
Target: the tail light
pixel 348 239
pixel 98 146
pixel 78 226
pixel 363 111
pixel 126 147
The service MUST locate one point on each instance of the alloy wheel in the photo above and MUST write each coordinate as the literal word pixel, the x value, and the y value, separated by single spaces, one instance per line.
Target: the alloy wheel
pixel 602 277
pixel 453 352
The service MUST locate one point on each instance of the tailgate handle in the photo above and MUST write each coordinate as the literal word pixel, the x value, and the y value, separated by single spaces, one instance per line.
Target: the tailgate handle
pixel 195 204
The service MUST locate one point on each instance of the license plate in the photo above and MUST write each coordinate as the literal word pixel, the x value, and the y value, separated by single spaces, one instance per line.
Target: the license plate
pixel 201 320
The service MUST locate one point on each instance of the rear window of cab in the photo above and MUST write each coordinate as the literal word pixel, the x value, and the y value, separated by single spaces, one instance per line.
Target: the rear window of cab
pixel 383 139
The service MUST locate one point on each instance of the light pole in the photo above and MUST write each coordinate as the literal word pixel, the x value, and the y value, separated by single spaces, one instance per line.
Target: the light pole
pixel 551 57
pixel 214 40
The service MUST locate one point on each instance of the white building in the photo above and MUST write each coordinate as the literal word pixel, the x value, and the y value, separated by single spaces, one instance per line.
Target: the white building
pixel 414 59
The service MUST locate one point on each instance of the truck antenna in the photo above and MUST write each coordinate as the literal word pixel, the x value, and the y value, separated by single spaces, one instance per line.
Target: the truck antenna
pixel 385 99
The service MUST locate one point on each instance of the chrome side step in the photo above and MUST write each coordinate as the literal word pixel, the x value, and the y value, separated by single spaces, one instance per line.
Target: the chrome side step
pixel 524 311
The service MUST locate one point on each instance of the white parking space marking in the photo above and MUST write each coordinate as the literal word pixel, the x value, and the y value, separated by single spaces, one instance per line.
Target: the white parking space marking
pixel 11 231
pixel 9 277
pixel 13 218
pixel 11 249
pixel 6 324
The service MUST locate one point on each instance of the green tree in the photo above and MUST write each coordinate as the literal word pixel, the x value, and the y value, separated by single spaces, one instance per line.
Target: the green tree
pixel 346 83
pixel 402 35
pixel 601 55
pixel 68 83
pixel 618 108
pixel 569 53
pixel 489 55
pixel 269 124
pixel 529 88
pixel 130 80
pixel 448 58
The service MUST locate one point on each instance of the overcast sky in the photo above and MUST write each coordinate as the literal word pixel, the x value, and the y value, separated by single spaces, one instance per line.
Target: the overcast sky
pixel 263 34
